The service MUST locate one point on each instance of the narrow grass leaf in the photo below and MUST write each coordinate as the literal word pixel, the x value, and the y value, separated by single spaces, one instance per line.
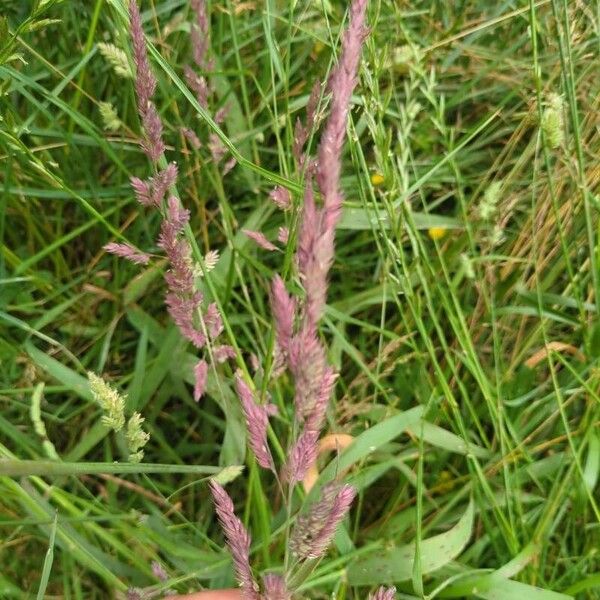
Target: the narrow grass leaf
pixel 60 372
pixel 369 441
pixel 442 438
pixel 48 560
pixel 47 468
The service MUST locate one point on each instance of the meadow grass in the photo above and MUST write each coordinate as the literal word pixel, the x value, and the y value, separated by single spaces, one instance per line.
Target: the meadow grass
pixel 462 312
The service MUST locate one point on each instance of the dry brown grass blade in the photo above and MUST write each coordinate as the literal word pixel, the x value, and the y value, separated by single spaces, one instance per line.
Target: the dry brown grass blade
pixel 542 353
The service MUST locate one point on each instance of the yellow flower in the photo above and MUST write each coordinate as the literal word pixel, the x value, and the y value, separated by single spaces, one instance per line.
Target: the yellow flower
pixel 377 179
pixel 446 482
pixel 436 233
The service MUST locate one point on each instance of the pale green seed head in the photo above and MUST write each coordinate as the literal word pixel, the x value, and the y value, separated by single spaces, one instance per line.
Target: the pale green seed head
pixel 488 205
pixel 137 438
pixel 111 402
pixel 552 121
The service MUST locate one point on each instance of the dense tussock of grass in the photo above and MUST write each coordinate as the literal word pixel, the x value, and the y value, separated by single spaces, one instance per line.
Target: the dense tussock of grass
pixel 466 283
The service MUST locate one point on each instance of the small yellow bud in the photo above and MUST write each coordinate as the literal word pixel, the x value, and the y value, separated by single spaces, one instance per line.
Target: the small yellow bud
pixel 318 47
pixel 436 233
pixel 377 179
pixel 446 482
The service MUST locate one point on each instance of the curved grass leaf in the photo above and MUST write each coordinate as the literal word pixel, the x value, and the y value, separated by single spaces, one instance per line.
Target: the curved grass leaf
pixel 442 438
pixel 498 585
pixel 492 587
pixel 371 440
pixel 392 565
pixel 48 561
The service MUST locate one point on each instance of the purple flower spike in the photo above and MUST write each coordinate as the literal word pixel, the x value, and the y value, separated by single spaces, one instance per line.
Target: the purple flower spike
pixel 384 593
pixel 128 252
pixel 302 456
pixel 341 83
pixel 200 377
pixel 259 239
pixel 313 532
pixel 275 588
pixel 200 36
pixel 238 541
pixel 145 82
pixel 283 307
pixel 257 422
pixel 145 86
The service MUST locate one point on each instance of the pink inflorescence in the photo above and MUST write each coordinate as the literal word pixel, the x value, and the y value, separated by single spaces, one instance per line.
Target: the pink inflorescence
pixel 145 85
pixel 260 239
pixel 257 422
pixel 314 379
pixel 198 81
pixel 303 131
pixel 128 252
pixel 296 327
pixel 274 588
pixel 281 197
pixel 384 593
pixel 183 300
pixel 313 531
pixel 238 540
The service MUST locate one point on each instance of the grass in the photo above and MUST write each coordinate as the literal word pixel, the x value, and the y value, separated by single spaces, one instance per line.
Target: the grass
pixel 469 362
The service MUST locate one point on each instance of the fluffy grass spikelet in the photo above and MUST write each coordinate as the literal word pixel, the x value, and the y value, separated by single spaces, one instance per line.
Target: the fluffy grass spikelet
pixel 274 588
pixel 314 530
pixel 128 252
pixel 553 124
pixel 384 593
pixel 260 239
pixel 117 59
pixel 257 422
pixel 489 204
pixel 200 379
pixel 238 540
pixel 110 401
pixel 137 438
pixel 110 118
